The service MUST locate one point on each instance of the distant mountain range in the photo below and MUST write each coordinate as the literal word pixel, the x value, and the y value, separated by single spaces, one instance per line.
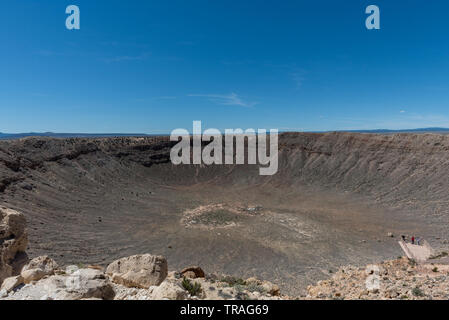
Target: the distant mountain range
pixel 70 135
pixel 109 135
pixel 418 130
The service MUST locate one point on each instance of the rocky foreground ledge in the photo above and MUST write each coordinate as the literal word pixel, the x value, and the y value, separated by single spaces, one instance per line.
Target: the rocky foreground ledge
pixel 397 279
pixel 146 277
pixel 138 277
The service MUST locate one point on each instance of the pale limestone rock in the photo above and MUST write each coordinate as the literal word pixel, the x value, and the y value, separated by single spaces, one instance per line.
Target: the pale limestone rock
pixel 140 271
pixel 169 290
pixel 11 283
pixel 81 284
pixel 31 275
pixel 271 288
pixel 38 268
pixel 45 263
pixel 71 269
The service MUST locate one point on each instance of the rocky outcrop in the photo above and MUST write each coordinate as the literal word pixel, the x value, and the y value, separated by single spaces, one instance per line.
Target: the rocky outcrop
pixel 13 243
pixel 396 279
pixel 143 277
pixel 139 271
pixel 131 278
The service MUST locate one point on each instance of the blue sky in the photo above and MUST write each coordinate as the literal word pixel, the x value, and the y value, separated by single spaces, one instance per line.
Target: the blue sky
pixel 153 66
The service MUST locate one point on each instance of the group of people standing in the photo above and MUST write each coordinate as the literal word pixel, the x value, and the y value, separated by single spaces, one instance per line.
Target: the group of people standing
pixel 413 240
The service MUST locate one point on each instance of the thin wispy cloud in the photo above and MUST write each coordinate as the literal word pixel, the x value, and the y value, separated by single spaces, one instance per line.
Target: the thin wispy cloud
pixel 124 44
pixel 140 57
pixel 231 99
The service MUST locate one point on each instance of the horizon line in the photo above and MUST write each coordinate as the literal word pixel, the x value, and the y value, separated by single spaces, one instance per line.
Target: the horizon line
pixel 379 130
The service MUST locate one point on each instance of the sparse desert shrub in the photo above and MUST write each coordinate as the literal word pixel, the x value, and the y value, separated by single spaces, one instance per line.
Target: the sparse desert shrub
pixel 193 288
pixel 239 288
pixel 435 269
pixel 440 255
pixel 417 292
pixel 242 296
pixel 233 281
pixel 252 287
pixel 412 262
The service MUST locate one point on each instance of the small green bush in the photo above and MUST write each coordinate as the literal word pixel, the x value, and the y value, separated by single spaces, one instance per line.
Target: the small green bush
pixel 193 288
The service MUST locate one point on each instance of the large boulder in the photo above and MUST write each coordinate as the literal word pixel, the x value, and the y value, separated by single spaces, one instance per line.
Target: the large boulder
pixel 139 271
pixel 38 268
pixel 31 275
pixel 13 243
pixel 87 284
pixel 169 290
pixel 45 263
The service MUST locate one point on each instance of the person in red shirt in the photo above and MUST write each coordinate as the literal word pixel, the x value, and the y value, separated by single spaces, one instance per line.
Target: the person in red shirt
pixel 413 240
